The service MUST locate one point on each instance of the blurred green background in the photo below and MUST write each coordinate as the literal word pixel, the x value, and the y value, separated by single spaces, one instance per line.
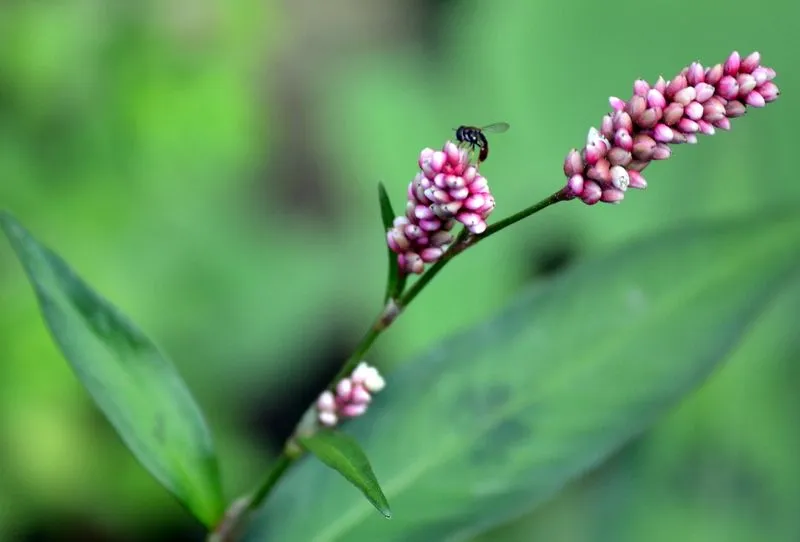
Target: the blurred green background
pixel 211 168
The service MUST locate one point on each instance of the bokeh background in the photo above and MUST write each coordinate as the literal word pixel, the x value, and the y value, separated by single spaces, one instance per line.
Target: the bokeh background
pixel 211 167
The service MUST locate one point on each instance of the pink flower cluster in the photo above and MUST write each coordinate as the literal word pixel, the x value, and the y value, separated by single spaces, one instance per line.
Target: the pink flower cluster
pixel 353 395
pixel 697 101
pixel 448 189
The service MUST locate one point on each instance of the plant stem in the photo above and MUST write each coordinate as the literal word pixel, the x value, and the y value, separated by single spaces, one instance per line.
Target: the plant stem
pixel 283 462
pixel 561 195
pixel 286 458
pixel 458 246
pixel 463 240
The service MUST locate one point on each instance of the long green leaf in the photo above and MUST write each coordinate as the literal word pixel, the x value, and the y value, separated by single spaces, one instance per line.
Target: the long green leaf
pixel 735 444
pixel 343 454
pixel 135 386
pixel 497 419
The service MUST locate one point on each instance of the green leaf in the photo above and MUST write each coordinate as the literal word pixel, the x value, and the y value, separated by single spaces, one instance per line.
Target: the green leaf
pixel 394 283
pixel 131 381
pixel 730 444
pixel 343 454
pixel 497 419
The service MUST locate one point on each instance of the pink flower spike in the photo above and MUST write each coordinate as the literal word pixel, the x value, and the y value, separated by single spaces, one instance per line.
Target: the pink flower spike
pixel 437 194
pixel 352 398
pixel 644 128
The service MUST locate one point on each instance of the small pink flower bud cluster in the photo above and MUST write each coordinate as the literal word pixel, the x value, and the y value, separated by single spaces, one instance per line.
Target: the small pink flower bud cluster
pixel 697 101
pixel 448 189
pixel 352 395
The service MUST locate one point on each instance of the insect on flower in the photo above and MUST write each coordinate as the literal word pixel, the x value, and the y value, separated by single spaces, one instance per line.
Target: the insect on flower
pixel 474 137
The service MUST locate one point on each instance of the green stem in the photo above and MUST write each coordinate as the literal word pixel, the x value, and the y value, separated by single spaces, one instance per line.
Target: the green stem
pixel 463 240
pixel 291 452
pixel 525 213
pixel 458 246
pixel 283 462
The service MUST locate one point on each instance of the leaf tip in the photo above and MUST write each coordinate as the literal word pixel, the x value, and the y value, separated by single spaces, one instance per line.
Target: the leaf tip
pixel 387 213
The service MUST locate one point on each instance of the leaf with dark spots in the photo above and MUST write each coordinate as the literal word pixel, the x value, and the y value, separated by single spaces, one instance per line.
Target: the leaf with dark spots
pixel 130 380
pixel 591 358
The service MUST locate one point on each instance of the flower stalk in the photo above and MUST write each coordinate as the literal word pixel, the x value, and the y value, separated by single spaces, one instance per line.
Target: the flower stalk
pixel 449 190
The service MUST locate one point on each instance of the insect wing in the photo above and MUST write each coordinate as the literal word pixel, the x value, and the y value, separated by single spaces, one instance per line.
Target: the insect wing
pixel 496 128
